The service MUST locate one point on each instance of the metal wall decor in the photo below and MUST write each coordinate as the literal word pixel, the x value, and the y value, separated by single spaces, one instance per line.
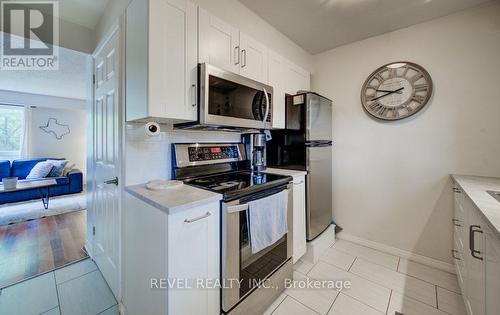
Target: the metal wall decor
pixel 396 90
pixel 57 129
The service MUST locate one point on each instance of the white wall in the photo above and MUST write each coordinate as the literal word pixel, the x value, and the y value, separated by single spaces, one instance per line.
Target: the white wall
pixel 234 13
pixel 72 146
pixel 391 180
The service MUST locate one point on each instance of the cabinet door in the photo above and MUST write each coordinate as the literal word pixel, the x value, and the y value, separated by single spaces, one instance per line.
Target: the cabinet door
pixel 475 281
pixel 218 43
pixel 276 79
pixel 254 57
pixel 299 218
pixel 296 78
pixel 492 278
pixel 193 253
pixel 172 59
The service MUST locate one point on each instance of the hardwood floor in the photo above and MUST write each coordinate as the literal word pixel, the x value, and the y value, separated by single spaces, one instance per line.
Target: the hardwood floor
pixel 41 245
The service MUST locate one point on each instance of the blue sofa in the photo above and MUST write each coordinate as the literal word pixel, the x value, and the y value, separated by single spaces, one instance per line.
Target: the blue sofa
pixel 70 184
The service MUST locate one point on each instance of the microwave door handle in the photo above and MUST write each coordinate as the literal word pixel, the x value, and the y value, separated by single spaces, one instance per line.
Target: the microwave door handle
pixel 267 106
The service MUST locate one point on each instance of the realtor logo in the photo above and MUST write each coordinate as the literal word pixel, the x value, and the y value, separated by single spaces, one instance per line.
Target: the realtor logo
pixel 30 35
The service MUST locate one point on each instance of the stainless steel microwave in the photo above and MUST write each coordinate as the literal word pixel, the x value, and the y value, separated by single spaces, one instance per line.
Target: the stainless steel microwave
pixel 229 101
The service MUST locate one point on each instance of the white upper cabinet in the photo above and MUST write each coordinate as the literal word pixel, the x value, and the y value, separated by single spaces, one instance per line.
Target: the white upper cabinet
pixel 254 56
pixel 296 78
pixel 218 42
pixel 161 60
pixel 224 46
pixel 276 75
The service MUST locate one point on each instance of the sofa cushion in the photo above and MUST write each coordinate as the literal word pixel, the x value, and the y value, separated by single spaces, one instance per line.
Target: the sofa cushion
pixel 40 170
pixel 4 169
pixel 21 168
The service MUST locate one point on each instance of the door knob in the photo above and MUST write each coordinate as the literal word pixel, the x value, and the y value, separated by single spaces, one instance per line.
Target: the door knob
pixel 112 181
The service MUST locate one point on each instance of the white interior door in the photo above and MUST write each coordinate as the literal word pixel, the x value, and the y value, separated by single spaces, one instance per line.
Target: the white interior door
pixel 106 160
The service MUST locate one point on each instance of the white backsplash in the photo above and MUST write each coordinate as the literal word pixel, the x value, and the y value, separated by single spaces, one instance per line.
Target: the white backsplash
pixel 151 159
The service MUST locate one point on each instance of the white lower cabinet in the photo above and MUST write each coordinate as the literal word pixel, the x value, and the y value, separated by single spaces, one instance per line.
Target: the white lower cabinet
pixel 477 257
pixel 180 247
pixel 299 218
pixel 492 265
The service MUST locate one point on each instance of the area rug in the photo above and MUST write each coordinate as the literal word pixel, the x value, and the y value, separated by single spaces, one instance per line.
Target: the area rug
pixel 33 209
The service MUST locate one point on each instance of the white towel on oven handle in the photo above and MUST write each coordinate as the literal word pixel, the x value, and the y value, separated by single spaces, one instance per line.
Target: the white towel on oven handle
pixel 267 220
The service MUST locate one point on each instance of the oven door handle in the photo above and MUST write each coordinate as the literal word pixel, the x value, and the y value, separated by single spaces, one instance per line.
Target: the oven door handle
pixel 237 208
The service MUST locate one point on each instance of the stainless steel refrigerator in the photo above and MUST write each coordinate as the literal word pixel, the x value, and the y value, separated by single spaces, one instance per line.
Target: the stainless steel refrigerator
pixel 306 144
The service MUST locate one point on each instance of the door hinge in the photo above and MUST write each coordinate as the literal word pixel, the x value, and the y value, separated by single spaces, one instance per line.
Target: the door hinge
pixel 93 79
pixel 93 230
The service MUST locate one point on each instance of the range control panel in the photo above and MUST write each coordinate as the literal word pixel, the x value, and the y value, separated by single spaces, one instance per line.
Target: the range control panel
pixel 212 153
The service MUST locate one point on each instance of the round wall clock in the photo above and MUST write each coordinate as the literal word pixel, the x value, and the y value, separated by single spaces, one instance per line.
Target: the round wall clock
pixel 396 90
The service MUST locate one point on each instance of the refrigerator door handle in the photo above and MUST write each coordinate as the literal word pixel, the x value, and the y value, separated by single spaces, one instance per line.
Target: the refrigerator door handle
pixel 319 143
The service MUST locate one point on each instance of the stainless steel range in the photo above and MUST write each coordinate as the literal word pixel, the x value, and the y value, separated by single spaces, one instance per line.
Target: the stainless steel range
pixel 257 278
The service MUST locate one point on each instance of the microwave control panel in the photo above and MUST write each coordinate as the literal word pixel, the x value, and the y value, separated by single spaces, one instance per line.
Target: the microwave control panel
pixel 212 153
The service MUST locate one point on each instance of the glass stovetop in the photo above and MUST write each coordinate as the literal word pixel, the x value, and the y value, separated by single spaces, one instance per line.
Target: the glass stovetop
pixel 238 183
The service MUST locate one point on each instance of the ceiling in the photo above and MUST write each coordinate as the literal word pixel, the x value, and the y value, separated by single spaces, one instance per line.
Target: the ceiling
pixel 82 12
pixel 320 25
pixel 70 80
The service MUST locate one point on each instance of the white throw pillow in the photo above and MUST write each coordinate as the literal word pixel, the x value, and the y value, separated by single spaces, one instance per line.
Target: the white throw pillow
pixel 41 170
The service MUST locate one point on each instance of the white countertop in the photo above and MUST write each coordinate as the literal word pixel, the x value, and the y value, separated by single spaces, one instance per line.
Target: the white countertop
pixel 476 188
pixel 280 171
pixel 174 199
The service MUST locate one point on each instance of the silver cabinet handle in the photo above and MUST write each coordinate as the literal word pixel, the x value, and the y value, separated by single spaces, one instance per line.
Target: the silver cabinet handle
pixel 457 190
pixel 267 106
pixel 456 222
pixel 236 55
pixel 453 251
pixel 112 181
pixel 206 215
pixel 472 247
pixel 193 87
pixel 243 58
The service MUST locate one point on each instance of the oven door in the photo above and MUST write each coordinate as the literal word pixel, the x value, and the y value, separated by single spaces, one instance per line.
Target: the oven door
pixel 238 262
pixel 231 100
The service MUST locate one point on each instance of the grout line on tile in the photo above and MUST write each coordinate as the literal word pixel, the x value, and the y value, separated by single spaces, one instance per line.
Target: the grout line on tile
pixel 389 303
pixel 76 277
pixel 437 301
pixel 392 289
pixel 286 295
pixel 108 308
pixel 349 269
pixel 301 303
pixel 57 293
pixel 362 302
pixel 334 300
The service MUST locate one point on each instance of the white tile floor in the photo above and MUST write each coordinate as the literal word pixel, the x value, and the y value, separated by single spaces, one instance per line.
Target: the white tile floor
pixel 78 289
pixel 380 284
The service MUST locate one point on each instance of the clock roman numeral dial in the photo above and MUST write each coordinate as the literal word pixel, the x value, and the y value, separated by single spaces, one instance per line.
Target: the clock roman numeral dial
pixel 396 91
pixel 420 87
pixel 418 98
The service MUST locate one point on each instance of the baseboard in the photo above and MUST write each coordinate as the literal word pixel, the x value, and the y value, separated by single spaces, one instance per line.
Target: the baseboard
pixel 87 246
pixel 424 260
pixel 122 309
